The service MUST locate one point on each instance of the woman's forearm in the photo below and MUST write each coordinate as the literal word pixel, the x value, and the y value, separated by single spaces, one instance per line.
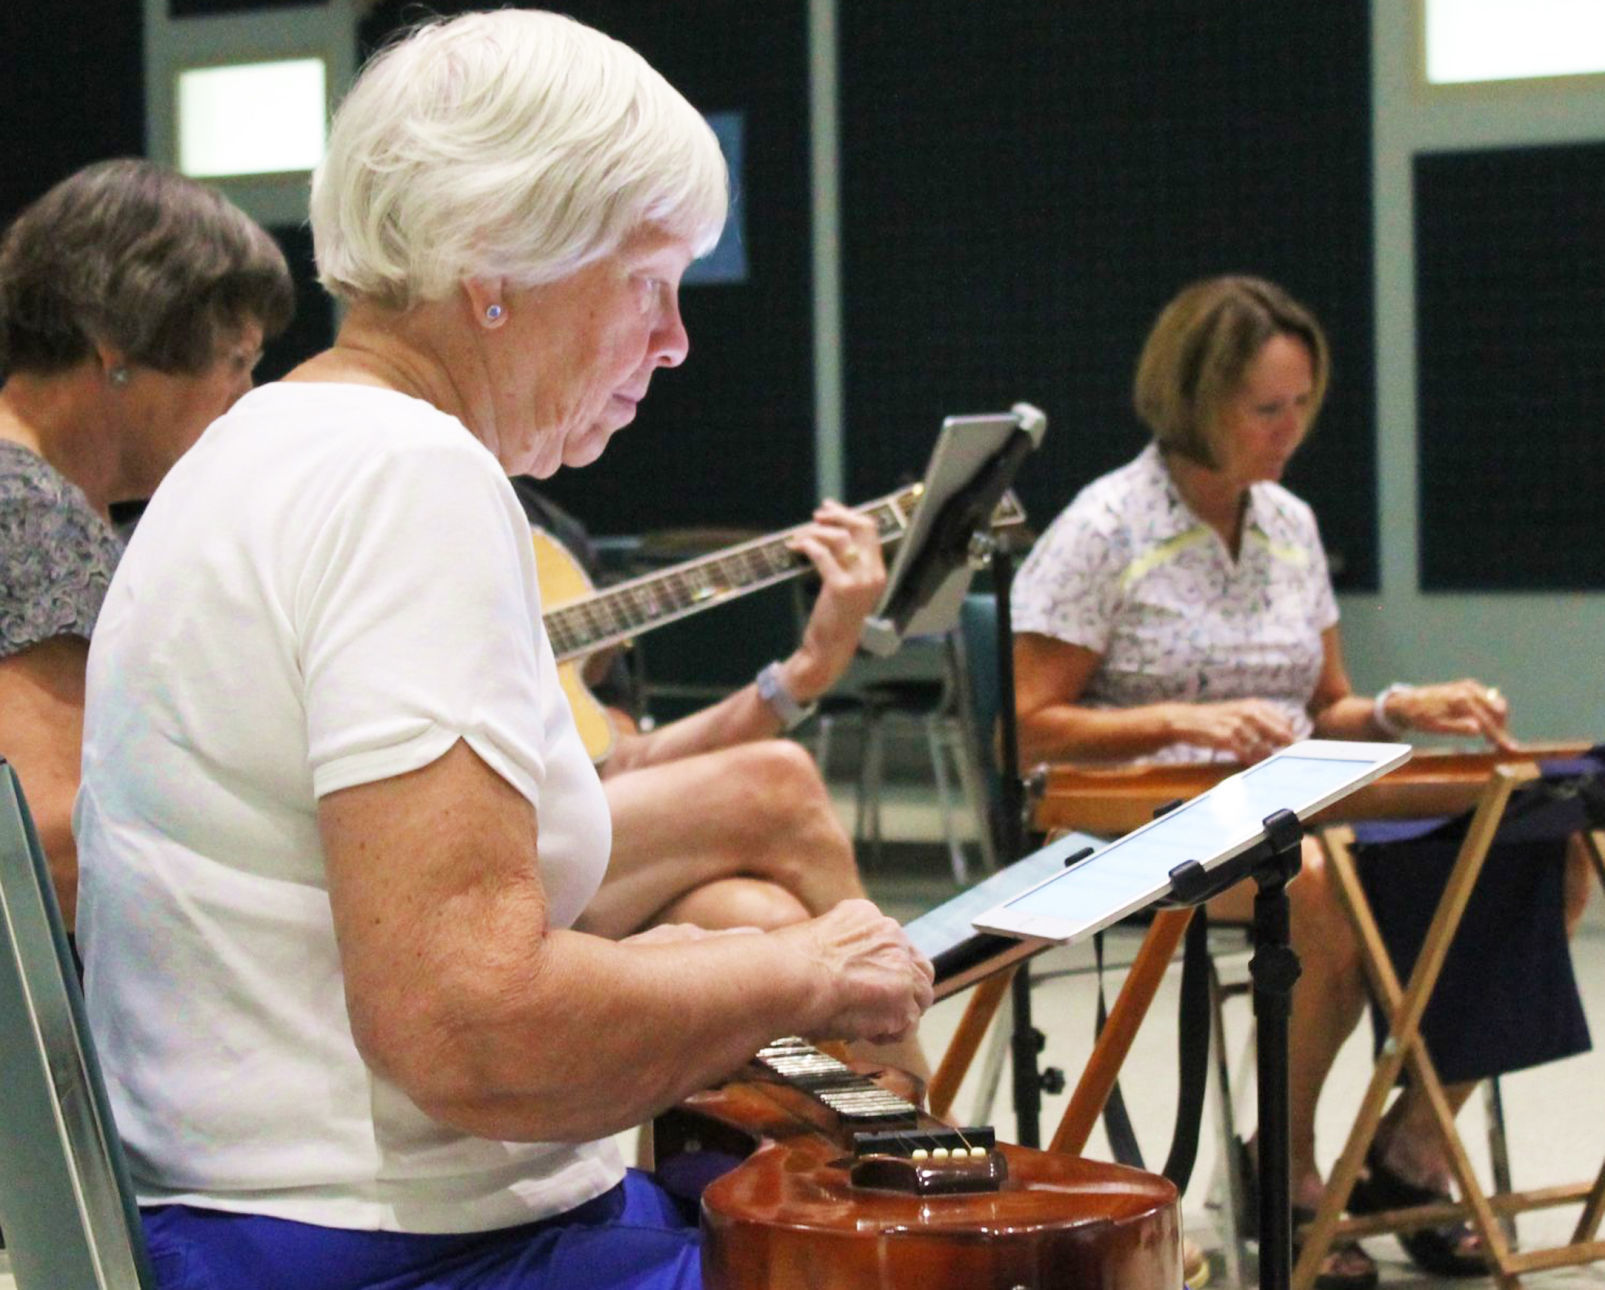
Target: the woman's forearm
pixel 1070 732
pixel 595 1036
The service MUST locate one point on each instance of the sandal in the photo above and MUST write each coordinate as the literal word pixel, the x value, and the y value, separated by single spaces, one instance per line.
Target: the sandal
pixel 1346 1266
pixel 1438 1250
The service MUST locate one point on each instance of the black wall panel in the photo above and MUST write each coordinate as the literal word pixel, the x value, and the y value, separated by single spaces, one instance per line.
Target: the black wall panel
pixel 72 93
pixel 1510 302
pixel 1026 183
pixel 728 437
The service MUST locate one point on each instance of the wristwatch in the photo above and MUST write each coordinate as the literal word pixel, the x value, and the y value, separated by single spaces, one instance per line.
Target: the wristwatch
pixel 772 690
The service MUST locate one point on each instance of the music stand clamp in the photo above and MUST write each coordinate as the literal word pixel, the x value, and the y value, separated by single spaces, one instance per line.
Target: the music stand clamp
pixel 1272 863
pixel 959 535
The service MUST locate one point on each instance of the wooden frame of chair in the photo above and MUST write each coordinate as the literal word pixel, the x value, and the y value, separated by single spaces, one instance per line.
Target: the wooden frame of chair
pixel 1404 1006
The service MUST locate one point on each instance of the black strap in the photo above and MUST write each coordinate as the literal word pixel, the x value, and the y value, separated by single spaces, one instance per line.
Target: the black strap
pixel 1192 1056
pixel 1116 1121
pixel 1192 1051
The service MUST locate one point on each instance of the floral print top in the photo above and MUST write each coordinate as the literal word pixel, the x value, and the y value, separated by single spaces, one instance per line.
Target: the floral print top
pixel 56 554
pixel 1129 572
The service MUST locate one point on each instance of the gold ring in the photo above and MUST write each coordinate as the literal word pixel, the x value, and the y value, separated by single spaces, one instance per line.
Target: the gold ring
pixel 849 557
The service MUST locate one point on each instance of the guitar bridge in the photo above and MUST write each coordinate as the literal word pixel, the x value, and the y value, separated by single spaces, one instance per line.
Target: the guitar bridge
pixel 937 1162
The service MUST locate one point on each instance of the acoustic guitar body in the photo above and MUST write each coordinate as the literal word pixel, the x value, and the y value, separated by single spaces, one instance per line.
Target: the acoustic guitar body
pixel 799 1212
pixel 562 581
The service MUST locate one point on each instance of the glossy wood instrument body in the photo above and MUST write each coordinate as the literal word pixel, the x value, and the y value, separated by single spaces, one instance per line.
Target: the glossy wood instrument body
pixel 1116 799
pixel 790 1216
pixel 563 581
pixel 580 620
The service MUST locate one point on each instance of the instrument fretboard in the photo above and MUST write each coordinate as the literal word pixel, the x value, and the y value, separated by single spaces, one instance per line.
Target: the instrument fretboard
pixel 630 607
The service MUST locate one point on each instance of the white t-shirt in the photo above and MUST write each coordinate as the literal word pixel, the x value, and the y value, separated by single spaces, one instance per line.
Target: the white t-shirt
pixel 331 588
pixel 1128 571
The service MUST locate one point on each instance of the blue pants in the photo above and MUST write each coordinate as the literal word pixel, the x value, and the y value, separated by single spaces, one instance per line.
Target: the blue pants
pixel 634 1237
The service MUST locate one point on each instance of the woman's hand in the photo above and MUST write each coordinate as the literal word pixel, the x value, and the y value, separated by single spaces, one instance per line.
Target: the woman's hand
pixel 878 983
pixel 1249 729
pixel 1466 707
pixel 845 548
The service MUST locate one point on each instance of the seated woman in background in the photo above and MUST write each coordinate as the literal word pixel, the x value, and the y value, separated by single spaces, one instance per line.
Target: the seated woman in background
pixel 1180 609
pixel 336 822
pixel 133 306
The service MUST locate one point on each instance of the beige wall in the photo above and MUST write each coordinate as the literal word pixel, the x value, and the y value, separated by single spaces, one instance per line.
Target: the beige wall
pixel 1546 651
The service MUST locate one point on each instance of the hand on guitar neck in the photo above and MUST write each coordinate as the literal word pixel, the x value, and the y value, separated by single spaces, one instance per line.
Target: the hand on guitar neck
pixel 841 545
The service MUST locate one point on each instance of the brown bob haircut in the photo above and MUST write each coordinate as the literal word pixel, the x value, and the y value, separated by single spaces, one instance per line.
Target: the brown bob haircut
pixel 132 255
pixel 1200 350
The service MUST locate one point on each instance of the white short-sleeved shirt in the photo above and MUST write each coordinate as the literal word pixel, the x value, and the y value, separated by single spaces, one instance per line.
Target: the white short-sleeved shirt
pixel 1129 572
pixel 331 588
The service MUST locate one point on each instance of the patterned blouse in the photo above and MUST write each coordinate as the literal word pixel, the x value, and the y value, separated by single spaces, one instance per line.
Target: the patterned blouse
pixel 56 554
pixel 1129 572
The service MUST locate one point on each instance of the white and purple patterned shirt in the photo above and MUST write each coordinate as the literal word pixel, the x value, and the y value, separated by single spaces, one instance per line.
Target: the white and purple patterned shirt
pixel 1128 571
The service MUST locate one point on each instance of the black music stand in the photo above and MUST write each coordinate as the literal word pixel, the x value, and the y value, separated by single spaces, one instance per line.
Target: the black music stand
pixel 1274 969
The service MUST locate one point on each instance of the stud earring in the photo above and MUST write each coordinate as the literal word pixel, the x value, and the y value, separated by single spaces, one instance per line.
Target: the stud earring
pixel 493 313
pixel 118 376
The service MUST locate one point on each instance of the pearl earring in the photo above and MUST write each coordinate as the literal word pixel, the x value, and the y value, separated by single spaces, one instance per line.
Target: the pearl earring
pixel 118 376
pixel 493 313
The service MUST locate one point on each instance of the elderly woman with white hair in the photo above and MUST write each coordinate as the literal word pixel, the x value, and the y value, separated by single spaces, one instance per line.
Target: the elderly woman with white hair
pixel 336 822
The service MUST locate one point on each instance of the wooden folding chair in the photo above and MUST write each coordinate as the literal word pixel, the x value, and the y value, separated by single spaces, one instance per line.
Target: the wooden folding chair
pixel 1404 1006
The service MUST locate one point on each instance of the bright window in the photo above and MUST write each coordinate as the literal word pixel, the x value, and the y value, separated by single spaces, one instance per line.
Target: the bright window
pixel 252 118
pixel 1497 40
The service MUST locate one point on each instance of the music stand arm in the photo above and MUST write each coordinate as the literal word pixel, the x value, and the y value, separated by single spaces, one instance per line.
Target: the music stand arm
pixel 1272 864
pixel 1025 1040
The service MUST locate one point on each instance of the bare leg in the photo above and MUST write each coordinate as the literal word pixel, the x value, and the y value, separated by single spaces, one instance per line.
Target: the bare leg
pixel 1579 881
pixel 754 811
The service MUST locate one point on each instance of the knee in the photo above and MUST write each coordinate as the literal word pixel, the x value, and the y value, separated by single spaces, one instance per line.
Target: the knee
pixel 795 834
pixel 737 902
pixel 796 805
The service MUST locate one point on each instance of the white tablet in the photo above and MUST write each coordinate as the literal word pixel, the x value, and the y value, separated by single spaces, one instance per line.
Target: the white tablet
pixel 1134 872
pixel 946 934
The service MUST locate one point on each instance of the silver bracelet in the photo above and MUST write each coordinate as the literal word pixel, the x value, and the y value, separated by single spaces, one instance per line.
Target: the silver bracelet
pixel 772 690
pixel 1379 710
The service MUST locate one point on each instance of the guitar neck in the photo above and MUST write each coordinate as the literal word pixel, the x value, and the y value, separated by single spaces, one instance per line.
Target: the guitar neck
pixel 630 608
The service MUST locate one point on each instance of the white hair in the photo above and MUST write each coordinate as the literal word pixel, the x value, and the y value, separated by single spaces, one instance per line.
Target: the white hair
pixel 516 144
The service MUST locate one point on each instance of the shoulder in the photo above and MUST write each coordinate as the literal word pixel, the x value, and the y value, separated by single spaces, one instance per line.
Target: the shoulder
pixel 56 554
pixel 1283 513
pixel 1109 511
pixel 361 442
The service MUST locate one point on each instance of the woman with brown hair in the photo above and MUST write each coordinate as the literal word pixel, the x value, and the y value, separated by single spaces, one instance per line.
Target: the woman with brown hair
pixel 133 306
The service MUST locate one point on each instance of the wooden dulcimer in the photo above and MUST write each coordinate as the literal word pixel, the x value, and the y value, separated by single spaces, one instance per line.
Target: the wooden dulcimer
pixel 814 1174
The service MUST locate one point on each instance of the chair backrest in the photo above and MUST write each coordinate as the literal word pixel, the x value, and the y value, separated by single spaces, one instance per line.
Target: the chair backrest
pixel 66 1205
pixel 976 643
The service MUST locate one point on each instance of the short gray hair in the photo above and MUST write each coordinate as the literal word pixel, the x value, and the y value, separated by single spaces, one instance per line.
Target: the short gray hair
pixel 128 253
pixel 516 144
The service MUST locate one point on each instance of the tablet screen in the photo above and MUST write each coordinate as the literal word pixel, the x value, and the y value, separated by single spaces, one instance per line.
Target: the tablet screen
pixel 1211 828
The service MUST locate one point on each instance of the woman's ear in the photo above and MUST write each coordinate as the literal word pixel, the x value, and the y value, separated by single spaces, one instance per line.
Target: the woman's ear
pixel 486 299
pixel 115 366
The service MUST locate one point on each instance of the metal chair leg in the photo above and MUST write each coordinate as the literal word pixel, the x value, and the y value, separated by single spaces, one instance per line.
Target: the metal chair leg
pixel 935 743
